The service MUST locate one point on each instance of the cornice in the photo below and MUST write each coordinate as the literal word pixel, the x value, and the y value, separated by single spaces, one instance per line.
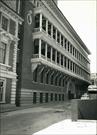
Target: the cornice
pixel 12 13
pixel 63 19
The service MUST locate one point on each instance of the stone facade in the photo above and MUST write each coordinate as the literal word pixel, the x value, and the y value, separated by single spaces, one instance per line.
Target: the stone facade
pixel 9 22
pixel 49 63
pixel 53 63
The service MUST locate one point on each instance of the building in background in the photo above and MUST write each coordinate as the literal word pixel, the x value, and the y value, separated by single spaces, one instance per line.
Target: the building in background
pixel 92 89
pixel 9 22
pixel 53 62
pixel 93 78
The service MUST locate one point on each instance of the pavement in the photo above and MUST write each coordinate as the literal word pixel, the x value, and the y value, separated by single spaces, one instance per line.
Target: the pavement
pixel 31 120
pixel 69 127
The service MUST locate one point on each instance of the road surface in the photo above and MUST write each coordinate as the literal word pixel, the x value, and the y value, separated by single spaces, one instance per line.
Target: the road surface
pixel 29 121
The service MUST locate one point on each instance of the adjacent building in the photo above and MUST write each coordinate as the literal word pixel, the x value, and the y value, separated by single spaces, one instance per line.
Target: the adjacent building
pixel 9 21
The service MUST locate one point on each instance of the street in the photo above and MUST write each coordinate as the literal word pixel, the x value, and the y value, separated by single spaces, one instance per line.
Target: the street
pixel 31 120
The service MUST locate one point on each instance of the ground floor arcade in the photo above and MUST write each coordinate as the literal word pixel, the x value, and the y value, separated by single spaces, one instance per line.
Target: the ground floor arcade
pixel 49 85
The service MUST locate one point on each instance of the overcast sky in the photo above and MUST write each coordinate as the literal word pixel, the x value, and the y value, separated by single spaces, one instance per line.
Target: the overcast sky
pixel 82 16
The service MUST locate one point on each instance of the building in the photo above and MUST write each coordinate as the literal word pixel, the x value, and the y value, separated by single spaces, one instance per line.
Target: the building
pixel 53 62
pixel 43 60
pixel 93 78
pixel 92 89
pixel 9 22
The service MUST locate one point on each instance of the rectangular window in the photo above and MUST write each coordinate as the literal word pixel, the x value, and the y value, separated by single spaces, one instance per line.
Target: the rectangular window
pixel 54 32
pixel 61 40
pixel 68 46
pixel 12 27
pixel 58 57
pixel 65 62
pixel 62 60
pixel 49 28
pixel 58 37
pixel 43 47
pixel 2 52
pixel 4 23
pixel 43 23
pixel 2 88
pixel 37 21
pixel 71 65
pixel 65 43
pixel 71 49
pixel 48 52
pixel 53 57
pixel 35 75
pixel 36 46
pixel 51 97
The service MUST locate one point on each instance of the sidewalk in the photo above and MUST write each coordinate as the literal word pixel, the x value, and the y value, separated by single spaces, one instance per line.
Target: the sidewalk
pixel 9 107
pixel 69 127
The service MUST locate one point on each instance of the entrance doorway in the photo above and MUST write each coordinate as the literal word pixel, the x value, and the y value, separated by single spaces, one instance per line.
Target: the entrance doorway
pixel 71 90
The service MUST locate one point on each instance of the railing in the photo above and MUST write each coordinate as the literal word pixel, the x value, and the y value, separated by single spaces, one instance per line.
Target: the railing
pixel 36 29
pixel 4 67
pixel 35 56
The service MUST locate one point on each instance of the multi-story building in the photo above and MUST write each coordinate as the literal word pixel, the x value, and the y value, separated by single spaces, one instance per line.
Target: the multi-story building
pixel 53 62
pixel 9 21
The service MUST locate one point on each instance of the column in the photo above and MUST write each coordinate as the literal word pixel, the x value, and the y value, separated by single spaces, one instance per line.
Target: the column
pixel 15 56
pixel 60 39
pixel 13 91
pixel 46 51
pixel 69 64
pixel 63 42
pixel 39 48
pixel 40 21
pixel 56 35
pixel 51 30
pixel 13 86
pixel 72 66
pixel 66 63
pixel 47 26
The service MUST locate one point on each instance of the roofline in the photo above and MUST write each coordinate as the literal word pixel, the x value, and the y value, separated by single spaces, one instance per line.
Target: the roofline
pixel 71 29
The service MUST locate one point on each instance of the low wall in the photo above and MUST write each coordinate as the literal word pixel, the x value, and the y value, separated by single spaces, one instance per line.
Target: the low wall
pixel 84 109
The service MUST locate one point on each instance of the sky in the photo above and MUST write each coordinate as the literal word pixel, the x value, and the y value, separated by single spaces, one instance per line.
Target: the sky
pixel 82 16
